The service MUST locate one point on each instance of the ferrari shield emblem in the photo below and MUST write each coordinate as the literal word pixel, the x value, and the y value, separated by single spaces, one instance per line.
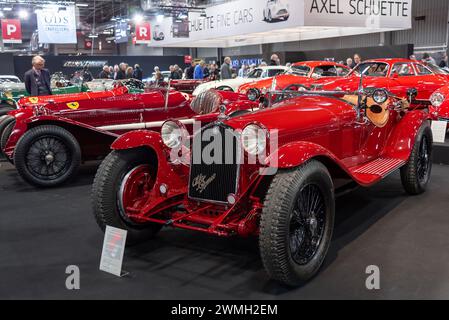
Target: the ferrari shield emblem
pixel 34 99
pixel 73 105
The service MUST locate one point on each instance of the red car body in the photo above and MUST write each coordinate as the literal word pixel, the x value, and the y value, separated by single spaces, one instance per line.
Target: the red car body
pixel 395 75
pixel 97 119
pixel 314 72
pixel 440 104
pixel 233 198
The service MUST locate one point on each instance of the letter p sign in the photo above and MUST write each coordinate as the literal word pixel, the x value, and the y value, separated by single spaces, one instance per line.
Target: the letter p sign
pixel 11 31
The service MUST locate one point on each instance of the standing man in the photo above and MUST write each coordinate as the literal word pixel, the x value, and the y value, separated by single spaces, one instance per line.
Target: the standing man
pixel 357 61
pixel 138 73
pixel 121 74
pixel 226 69
pixel 105 74
pixel 199 71
pixel 190 70
pixel 275 61
pixel 37 80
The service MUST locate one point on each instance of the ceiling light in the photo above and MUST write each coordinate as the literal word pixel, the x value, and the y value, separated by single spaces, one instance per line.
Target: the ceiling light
pixel 23 14
pixel 7 9
pixel 84 5
pixel 138 18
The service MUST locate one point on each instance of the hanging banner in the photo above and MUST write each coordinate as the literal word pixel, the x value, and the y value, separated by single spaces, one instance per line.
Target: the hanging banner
pixel 11 31
pixel 238 21
pixel 57 24
pixel 143 32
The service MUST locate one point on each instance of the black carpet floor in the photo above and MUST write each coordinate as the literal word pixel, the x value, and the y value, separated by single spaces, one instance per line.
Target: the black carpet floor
pixel 44 231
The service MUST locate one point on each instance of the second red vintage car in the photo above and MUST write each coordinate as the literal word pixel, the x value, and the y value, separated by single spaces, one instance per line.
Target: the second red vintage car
pixel 304 74
pixel 49 137
pixel 273 173
pixel 396 75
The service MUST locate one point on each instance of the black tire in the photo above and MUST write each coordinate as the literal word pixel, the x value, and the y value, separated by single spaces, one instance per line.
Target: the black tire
pixel 54 150
pixel 4 109
pixel 106 199
pixel 4 123
pixel 277 221
pixel 416 174
pixel 4 136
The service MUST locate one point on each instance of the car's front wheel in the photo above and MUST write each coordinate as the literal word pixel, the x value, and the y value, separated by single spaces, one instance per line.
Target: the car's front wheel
pixel 47 156
pixel 121 186
pixel 297 223
pixel 415 175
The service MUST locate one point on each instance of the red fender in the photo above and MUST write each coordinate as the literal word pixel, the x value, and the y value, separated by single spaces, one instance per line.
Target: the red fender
pixel 294 154
pixel 137 139
pixel 402 140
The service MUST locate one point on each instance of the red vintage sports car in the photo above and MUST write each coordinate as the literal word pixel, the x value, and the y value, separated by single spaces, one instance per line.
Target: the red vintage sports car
pixel 272 173
pixel 49 137
pixel 302 74
pixel 395 75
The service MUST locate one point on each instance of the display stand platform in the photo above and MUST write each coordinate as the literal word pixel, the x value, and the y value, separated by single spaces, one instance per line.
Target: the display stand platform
pixel 441 152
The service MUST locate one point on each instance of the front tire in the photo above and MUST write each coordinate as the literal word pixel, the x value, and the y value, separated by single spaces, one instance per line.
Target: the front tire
pixel 113 192
pixel 415 175
pixel 47 156
pixel 297 223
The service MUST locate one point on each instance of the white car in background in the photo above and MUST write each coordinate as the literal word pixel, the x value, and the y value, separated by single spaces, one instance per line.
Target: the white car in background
pixel 276 10
pixel 234 84
pixel 9 79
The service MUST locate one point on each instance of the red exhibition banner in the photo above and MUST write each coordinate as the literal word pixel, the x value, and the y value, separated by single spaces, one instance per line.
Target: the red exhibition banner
pixel 143 32
pixel 11 31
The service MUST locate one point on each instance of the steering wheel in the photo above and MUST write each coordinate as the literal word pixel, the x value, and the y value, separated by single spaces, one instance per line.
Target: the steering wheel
pixel 130 84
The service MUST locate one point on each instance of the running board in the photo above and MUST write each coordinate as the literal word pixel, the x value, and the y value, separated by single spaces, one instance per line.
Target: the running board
pixel 376 170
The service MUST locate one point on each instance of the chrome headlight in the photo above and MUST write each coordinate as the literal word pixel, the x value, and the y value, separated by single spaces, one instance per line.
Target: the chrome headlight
pixel 437 99
pixel 172 134
pixel 253 94
pixel 380 96
pixel 254 139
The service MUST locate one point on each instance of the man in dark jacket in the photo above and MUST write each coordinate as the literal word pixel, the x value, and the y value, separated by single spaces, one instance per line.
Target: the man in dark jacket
pixel 137 73
pixel 190 71
pixel 105 74
pixel 37 80
pixel 121 74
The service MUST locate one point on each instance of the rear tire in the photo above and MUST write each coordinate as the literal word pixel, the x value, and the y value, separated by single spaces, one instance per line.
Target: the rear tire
pixel 4 109
pixel 4 123
pixel 4 137
pixel 107 195
pixel 47 156
pixel 297 223
pixel 416 174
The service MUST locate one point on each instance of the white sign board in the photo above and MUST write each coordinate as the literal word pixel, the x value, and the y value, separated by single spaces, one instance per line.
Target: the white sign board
pixel 241 18
pixel 359 13
pixel 113 251
pixel 439 130
pixel 57 24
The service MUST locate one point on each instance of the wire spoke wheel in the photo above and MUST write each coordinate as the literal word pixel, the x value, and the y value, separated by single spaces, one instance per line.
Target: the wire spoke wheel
pixel 423 163
pixel 307 224
pixel 48 158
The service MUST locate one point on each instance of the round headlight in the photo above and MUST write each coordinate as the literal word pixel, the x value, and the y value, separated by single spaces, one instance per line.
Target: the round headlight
pixel 437 99
pixel 254 139
pixel 172 134
pixel 380 96
pixel 253 94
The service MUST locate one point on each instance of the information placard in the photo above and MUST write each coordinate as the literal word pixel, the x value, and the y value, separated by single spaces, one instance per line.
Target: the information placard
pixel 439 130
pixel 113 251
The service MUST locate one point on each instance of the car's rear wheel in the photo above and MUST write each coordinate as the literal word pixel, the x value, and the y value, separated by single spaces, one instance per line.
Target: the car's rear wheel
pixel 297 223
pixel 415 175
pixel 5 108
pixel 120 189
pixel 47 156
pixel 5 134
